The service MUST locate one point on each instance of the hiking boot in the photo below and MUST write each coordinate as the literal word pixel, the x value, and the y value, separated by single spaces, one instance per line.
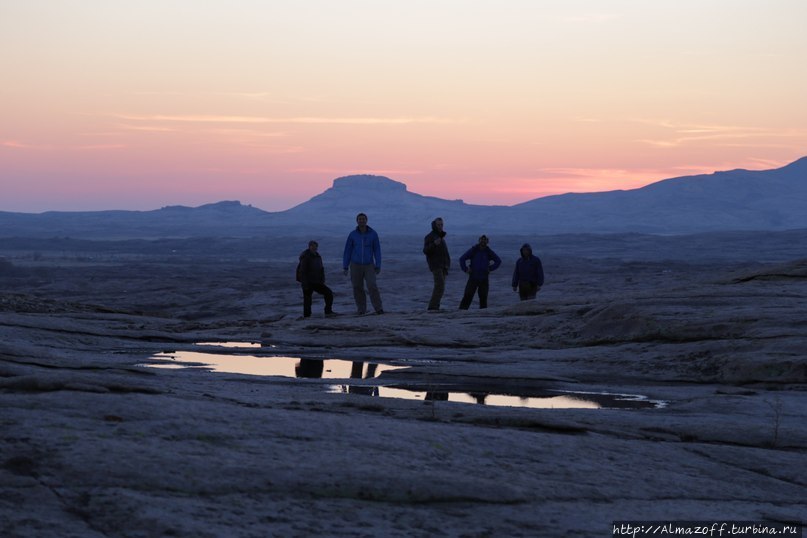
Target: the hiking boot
pixel 331 314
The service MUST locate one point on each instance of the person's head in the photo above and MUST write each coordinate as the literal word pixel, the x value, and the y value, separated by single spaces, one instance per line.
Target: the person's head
pixel 313 245
pixel 437 224
pixel 483 241
pixel 361 219
pixel 526 250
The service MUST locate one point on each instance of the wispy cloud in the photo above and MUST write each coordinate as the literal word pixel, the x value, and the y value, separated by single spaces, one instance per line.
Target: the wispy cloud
pixel 294 120
pixel 100 147
pixel 333 172
pixel 60 147
pixel 14 144
pixel 272 149
pixel 560 179
pixel 262 96
pixel 680 134
pixel 151 128
pixel 246 132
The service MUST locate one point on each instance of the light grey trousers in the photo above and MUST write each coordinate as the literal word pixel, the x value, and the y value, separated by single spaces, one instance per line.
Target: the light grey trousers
pixel 359 274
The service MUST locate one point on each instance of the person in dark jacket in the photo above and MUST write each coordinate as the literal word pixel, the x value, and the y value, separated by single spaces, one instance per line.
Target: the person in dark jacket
pixel 312 279
pixel 436 251
pixel 363 258
pixel 528 276
pixel 482 261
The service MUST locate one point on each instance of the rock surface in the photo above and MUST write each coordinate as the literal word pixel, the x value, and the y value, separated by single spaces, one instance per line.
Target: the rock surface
pixel 95 443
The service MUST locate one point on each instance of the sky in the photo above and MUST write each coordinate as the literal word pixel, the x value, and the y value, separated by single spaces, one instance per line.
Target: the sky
pixel 116 104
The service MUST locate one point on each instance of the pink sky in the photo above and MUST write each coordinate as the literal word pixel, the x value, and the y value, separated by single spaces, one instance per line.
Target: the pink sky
pixel 137 105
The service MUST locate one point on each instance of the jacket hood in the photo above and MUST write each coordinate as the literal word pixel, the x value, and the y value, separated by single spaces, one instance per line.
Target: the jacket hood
pixel 528 248
pixel 434 229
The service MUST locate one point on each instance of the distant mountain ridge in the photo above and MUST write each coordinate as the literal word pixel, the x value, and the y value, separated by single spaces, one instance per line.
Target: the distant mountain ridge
pixel 731 200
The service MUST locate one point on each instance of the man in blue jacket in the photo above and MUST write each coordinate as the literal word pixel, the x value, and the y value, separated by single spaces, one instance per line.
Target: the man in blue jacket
pixel 528 276
pixel 483 261
pixel 363 258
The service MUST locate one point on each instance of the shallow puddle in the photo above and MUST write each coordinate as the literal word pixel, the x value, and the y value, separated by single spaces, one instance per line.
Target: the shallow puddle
pixel 271 366
pixel 230 344
pixel 232 361
pixel 550 399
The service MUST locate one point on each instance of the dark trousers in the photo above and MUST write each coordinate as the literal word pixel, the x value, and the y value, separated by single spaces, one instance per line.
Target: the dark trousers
pixel 323 290
pixel 439 288
pixel 527 290
pixel 475 286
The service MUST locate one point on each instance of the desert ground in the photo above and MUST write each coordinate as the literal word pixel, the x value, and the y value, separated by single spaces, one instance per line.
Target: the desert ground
pixel 97 441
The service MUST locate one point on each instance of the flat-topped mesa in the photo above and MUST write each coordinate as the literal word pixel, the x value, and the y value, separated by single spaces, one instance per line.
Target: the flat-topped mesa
pixel 369 182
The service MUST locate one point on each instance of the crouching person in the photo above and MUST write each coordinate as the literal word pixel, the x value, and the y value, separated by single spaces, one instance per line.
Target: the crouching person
pixel 312 279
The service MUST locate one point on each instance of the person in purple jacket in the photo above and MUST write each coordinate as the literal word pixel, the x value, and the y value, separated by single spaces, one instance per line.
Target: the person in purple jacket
pixel 528 276
pixel 482 261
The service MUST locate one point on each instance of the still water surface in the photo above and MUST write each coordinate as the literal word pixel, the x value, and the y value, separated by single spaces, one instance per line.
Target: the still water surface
pixel 337 369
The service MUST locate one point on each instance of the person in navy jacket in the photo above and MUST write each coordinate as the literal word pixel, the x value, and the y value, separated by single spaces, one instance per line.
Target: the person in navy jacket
pixel 363 258
pixel 482 261
pixel 528 276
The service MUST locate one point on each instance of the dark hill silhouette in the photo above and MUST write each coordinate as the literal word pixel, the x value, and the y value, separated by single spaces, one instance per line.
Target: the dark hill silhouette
pixel 732 200
pixel 388 204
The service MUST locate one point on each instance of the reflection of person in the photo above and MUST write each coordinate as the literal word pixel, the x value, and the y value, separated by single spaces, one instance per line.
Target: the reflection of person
pixel 528 276
pixel 312 279
pixel 482 261
pixel 356 373
pixel 436 251
pixel 363 257
pixel 309 368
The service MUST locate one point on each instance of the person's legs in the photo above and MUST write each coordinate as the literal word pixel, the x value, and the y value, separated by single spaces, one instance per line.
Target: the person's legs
pixel 483 293
pixel 357 280
pixel 326 293
pixel 526 290
pixel 307 292
pixel 439 289
pixel 468 296
pixel 372 287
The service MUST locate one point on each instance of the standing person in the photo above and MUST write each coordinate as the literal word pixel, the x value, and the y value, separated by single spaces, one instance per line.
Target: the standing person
pixel 363 257
pixel 436 251
pixel 312 279
pixel 528 276
pixel 483 261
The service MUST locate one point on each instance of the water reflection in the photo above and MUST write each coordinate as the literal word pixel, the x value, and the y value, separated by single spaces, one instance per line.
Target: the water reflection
pixel 271 366
pixel 309 368
pixel 548 400
pixel 230 344
pixel 364 373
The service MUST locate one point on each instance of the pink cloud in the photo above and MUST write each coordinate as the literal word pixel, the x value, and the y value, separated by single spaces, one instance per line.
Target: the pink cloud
pixel 15 144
